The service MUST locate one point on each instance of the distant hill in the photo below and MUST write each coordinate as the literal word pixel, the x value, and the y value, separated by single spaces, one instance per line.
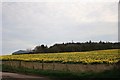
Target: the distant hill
pixel 22 52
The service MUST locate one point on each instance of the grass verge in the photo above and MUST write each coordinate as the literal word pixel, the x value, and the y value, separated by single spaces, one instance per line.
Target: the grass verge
pixel 58 75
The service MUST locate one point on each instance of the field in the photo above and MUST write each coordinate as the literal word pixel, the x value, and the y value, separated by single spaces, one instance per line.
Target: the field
pixel 68 65
pixel 91 57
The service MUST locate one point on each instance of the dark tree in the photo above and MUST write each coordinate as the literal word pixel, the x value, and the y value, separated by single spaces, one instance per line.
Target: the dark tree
pixel 76 47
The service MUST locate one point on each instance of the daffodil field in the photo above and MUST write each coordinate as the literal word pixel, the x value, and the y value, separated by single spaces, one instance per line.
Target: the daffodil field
pixel 90 57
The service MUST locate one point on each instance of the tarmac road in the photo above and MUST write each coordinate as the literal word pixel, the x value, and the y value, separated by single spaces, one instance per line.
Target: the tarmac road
pixel 16 76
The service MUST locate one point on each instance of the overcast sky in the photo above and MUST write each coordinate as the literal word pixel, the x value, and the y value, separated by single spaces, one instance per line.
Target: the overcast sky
pixel 27 24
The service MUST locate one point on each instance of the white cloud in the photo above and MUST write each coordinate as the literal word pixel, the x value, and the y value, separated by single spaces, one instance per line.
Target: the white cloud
pixel 60 0
pixel 79 12
pixel 0 28
pixel 27 24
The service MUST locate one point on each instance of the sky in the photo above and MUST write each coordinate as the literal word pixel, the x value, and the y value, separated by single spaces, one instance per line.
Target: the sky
pixel 28 24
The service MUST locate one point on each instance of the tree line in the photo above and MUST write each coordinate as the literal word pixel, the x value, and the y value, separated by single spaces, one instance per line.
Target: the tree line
pixel 76 47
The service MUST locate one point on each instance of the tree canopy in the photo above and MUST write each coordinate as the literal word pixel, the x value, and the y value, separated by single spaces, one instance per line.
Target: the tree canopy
pixel 76 47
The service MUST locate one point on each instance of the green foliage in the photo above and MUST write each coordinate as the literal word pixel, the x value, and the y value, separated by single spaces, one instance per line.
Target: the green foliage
pixel 76 47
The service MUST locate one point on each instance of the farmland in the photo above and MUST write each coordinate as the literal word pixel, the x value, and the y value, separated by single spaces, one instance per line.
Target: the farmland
pixel 91 57
pixel 92 64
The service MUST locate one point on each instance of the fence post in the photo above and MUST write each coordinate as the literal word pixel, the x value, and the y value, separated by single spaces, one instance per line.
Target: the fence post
pixel 67 67
pixel 33 64
pixel 42 64
pixel 19 64
pixel 10 63
pixel 53 65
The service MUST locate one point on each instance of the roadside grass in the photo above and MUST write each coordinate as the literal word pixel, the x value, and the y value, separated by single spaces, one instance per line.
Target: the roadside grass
pixel 65 75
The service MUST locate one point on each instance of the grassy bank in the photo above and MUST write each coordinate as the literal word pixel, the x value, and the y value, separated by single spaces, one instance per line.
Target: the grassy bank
pixel 57 75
